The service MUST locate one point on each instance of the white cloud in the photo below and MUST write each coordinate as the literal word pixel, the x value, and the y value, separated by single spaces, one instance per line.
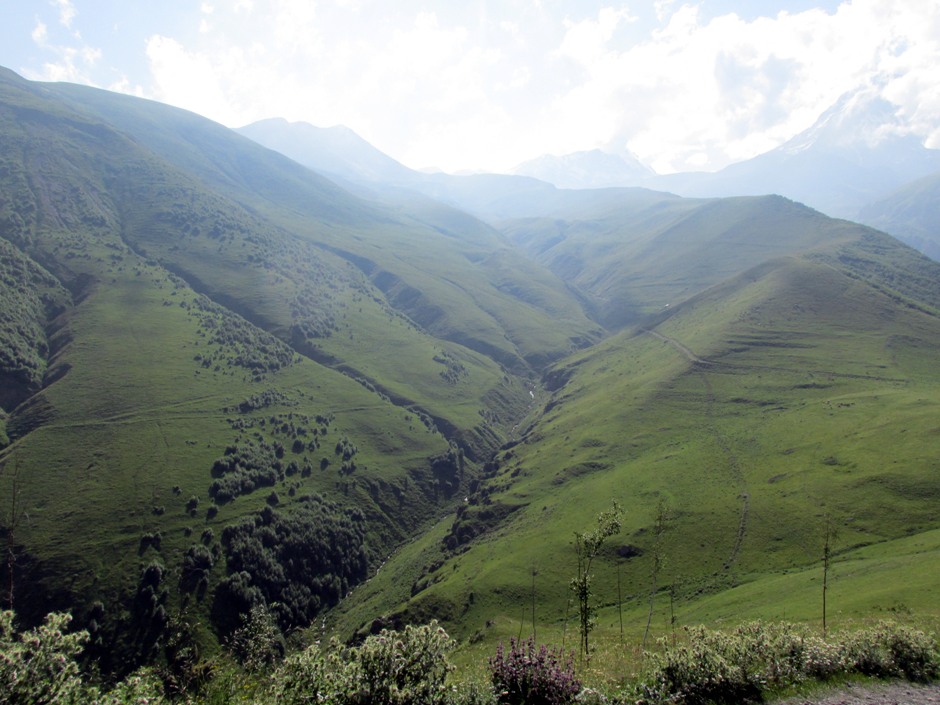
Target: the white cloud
pixel 586 41
pixel 187 79
pixel 74 64
pixel 66 12
pixel 462 87
pixel 40 34
pixel 704 93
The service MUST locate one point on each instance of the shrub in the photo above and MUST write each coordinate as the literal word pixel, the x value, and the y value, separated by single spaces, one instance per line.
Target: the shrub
pixel 526 675
pixel 742 664
pixel 890 650
pixel 706 669
pixel 38 666
pixel 258 643
pixel 404 668
pixel 315 675
pixel 391 668
pixel 140 688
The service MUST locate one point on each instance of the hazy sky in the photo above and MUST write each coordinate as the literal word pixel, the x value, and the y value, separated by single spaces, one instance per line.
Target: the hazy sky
pixel 486 84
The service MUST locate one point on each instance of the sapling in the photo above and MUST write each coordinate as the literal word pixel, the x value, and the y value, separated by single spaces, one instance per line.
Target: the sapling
pixel 587 545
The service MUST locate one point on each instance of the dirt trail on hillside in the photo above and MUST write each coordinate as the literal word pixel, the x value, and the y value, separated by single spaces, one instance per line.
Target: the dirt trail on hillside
pixel 734 464
pixel 886 694
pixel 700 366
pixel 696 360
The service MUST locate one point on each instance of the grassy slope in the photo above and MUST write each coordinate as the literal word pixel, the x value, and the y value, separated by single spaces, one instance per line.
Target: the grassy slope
pixel 814 397
pixel 140 400
pixel 910 214
pixel 431 268
pixel 635 259
pixel 279 272
pixel 129 410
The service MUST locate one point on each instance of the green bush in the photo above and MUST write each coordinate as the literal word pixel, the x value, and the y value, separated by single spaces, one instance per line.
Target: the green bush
pixel 405 667
pixel 391 668
pixel 315 675
pixel 711 667
pixel 140 688
pixel 258 643
pixel 38 666
pixel 754 658
pixel 890 650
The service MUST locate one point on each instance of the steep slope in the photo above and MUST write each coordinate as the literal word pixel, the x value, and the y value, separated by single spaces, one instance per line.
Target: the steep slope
pixel 911 214
pixel 334 150
pixel 646 254
pixel 147 421
pixel 205 343
pixel 416 264
pixel 793 394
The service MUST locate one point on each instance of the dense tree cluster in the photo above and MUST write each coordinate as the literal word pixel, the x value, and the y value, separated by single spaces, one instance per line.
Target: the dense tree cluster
pixel 149 615
pixel 296 563
pixel 268 397
pixel 312 313
pixel 244 468
pixel 240 343
pixel 197 564
pixel 29 298
pixel 453 370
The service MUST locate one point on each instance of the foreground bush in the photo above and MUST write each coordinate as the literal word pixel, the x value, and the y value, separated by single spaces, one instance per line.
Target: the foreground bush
pixel 526 675
pixel 391 668
pixel 893 651
pixel 39 666
pixel 410 668
pixel 745 663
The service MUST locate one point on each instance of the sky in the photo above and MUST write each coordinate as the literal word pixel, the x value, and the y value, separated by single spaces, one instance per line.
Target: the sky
pixel 482 85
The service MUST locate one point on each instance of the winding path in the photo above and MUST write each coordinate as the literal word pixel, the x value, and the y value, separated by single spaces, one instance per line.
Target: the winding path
pixel 734 464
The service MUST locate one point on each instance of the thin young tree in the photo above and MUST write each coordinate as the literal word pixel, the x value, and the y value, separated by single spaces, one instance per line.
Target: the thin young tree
pixel 829 536
pixel 659 528
pixel 587 545
pixel 534 573
pixel 10 523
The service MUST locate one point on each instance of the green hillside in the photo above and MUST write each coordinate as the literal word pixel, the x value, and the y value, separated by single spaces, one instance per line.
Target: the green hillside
pixel 910 214
pixel 226 381
pixel 198 332
pixel 639 257
pixel 790 395
pixel 434 267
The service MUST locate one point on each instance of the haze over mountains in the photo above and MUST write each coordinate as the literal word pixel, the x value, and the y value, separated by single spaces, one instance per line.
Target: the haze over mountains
pixel 858 153
pixel 349 391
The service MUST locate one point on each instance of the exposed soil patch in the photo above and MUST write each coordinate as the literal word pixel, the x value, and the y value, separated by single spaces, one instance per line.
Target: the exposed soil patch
pixel 886 694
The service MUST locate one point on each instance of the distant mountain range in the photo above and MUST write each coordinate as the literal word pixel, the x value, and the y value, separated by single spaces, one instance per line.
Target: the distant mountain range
pixel 587 170
pixel 857 153
pixel 911 213
pixel 336 151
